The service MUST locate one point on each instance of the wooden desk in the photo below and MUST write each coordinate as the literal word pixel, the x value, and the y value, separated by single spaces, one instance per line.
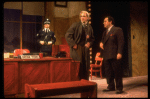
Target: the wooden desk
pixel 17 72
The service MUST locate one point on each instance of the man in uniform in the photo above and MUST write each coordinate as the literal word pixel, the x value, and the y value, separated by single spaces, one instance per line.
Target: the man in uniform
pixel 46 38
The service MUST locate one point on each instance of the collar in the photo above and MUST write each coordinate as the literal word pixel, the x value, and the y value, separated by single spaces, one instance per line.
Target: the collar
pixel 110 27
pixel 86 23
pixel 46 29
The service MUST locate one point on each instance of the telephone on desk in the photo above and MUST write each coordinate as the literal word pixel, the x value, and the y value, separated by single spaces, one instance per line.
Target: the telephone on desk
pixel 60 54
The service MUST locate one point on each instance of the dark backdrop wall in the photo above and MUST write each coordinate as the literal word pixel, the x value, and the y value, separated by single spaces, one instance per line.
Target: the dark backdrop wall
pixel 120 11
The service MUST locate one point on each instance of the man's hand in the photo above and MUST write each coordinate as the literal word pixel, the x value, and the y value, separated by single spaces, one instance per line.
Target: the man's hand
pixel 87 36
pixel 87 45
pixel 119 56
pixel 50 42
pixel 75 46
pixel 101 45
pixel 42 42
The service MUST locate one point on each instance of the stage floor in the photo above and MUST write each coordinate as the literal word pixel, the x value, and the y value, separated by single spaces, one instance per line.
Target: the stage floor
pixel 133 87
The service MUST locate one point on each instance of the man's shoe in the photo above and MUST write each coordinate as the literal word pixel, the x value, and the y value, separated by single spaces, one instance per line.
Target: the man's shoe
pixel 106 90
pixel 119 91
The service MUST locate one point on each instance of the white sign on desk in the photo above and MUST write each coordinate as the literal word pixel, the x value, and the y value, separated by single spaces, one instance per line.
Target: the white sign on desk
pixel 30 57
pixel 6 55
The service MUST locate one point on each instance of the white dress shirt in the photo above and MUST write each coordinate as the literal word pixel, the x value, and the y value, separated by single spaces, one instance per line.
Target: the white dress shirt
pixel 109 28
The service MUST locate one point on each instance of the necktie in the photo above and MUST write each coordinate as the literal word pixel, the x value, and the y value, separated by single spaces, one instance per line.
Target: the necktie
pixel 86 29
pixel 107 32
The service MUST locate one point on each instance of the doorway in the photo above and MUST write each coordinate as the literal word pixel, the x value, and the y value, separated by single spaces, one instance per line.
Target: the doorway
pixel 120 11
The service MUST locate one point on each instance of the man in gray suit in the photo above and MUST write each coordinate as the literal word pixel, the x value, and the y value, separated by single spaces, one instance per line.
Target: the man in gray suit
pixel 80 38
pixel 112 44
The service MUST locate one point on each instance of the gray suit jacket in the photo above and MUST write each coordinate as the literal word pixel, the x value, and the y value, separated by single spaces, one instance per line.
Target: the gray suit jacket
pixel 73 36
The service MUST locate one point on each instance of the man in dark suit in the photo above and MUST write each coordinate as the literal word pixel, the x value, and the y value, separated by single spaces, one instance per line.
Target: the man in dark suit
pixel 80 38
pixel 46 38
pixel 112 44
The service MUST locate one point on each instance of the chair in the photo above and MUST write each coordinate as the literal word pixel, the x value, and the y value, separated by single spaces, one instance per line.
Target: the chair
pixel 64 47
pixel 20 51
pixel 97 67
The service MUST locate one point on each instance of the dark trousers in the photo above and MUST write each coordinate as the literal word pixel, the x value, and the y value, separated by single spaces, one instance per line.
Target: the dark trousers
pixel 46 53
pixel 83 71
pixel 46 50
pixel 113 70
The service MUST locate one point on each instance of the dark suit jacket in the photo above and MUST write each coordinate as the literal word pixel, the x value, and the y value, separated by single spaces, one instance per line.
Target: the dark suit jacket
pixel 113 43
pixel 43 36
pixel 73 36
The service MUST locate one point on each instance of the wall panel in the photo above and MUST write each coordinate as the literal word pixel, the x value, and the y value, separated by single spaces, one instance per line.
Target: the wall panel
pixel 139 37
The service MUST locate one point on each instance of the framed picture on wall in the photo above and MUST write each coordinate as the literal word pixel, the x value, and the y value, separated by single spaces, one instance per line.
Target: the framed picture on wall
pixel 61 3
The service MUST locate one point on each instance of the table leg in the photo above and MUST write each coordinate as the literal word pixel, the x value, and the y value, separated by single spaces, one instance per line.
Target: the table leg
pixel 93 93
pixel 84 94
pixel 26 94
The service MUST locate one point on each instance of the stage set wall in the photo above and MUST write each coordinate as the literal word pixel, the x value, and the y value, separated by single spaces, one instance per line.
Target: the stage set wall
pixel 139 37
pixel 62 17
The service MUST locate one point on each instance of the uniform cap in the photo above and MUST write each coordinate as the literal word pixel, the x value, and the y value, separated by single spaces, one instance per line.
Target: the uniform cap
pixel 47 21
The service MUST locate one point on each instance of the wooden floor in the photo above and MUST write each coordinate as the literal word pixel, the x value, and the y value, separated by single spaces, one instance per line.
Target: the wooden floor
pixel 133 87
